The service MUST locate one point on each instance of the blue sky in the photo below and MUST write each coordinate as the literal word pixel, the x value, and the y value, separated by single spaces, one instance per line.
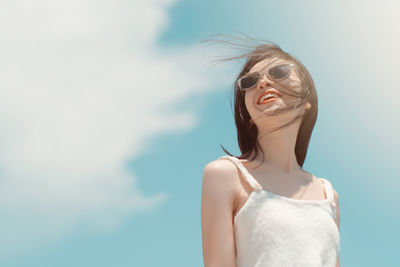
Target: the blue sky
pixel 108 119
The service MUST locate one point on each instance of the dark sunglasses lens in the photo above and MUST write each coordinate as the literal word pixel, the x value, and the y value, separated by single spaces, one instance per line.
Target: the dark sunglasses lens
pixel 279 72
pixel 248 81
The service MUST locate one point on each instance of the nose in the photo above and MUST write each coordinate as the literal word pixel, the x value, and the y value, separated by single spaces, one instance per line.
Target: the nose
pixel 263 82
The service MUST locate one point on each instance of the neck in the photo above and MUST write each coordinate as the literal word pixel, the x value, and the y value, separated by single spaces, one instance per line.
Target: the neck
pixel 279 150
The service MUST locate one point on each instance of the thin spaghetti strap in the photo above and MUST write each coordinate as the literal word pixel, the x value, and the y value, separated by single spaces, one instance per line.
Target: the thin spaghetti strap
pixel 249 178
pixel 328 190
pixel 329 193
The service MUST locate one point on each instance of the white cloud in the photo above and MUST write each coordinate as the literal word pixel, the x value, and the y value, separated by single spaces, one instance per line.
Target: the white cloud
pixel 84 88
pixel 363 54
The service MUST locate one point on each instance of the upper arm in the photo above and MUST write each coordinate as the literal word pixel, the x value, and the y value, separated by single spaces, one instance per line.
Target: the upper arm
pixel 217 202
pixel 337 219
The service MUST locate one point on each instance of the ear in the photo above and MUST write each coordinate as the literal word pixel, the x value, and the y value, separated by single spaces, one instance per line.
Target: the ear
pixel 308 105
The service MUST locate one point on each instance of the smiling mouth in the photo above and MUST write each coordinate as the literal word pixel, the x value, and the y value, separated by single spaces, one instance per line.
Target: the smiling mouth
pixel 268 96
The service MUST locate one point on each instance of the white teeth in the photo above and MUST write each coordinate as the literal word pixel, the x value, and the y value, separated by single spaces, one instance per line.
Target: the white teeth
pixel 267 96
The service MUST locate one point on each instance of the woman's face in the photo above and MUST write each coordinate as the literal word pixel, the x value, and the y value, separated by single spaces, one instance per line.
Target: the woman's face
pixel 259 111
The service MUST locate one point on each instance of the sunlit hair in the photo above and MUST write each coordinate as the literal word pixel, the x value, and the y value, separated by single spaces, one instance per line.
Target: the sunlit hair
pixel 255 51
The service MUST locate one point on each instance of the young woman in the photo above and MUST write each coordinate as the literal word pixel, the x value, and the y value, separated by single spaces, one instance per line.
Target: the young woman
pixel 262 209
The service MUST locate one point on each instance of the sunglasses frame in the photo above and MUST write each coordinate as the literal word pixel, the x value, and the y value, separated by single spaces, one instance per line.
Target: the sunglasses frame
pixel 262 72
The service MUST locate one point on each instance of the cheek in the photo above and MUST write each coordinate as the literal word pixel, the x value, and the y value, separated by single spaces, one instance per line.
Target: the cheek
pixel 293 83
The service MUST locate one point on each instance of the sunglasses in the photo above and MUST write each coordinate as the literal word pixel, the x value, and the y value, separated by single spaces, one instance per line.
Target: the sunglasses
pixel 274 73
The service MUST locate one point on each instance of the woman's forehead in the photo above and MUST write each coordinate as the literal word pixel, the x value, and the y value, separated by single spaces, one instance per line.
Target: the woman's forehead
pixel 266 62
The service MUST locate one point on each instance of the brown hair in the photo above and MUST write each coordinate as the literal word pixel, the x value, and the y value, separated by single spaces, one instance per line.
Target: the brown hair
pixel 246 130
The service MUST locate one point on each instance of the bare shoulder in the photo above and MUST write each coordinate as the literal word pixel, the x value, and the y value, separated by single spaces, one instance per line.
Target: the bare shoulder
pixel 220 165
pixel 220 177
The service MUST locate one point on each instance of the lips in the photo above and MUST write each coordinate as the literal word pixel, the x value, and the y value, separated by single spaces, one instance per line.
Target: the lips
pixel 268 91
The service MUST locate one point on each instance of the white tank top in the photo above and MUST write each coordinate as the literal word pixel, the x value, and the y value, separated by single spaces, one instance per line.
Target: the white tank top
pixel 277 231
